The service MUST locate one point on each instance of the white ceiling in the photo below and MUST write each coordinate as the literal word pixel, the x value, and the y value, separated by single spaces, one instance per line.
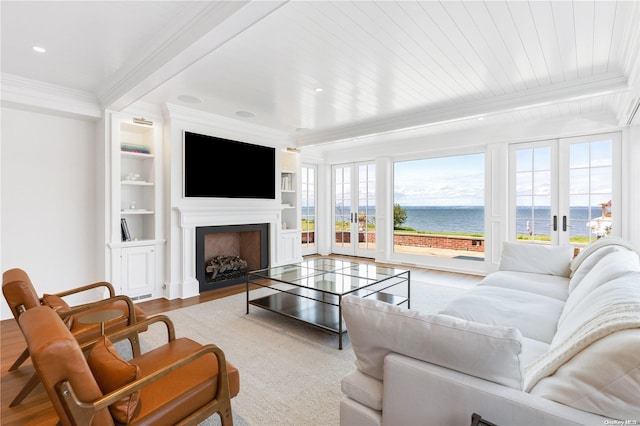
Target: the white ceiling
pixel 382 65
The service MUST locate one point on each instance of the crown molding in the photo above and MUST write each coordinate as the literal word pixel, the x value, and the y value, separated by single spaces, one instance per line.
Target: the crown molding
pixel 628 102
pixel 582 89
pixel 22 92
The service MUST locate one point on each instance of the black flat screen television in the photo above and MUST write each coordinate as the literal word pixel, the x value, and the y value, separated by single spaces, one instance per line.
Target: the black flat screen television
pixel 222 168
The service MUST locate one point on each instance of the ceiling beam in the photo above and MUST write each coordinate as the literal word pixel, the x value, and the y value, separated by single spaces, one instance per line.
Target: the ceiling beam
pixel 415 119
pixel 195 33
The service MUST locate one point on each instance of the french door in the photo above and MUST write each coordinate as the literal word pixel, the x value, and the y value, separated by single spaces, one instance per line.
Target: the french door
pixel 565 191
pixel 308 174
pixel 354 209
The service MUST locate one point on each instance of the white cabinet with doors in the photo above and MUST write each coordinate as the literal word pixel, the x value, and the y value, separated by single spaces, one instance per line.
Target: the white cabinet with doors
pixel 135 205
pixel 290 247
pixel 138 273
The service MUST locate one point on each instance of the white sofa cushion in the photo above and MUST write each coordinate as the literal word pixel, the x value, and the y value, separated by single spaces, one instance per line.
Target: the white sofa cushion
pixel 615 264
pixel 532 349
pixel 534 315
pixel 589 250
pixel 377 328
pixel 622 291
pixel 602 379
pixel 593 361
pixel 546 285
pixel 589 263
pixel 536 258
pixel 352 413
pixel 363 388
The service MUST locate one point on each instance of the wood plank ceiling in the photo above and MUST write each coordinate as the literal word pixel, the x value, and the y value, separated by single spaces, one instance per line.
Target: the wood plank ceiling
pixel 387 65
pixel 382 65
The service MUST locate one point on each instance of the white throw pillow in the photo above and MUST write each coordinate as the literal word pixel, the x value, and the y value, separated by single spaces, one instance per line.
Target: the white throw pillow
pixel 485 351
pixel 536 258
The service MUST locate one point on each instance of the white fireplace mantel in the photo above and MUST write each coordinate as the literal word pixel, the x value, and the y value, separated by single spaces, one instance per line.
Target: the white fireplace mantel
pixel 192 217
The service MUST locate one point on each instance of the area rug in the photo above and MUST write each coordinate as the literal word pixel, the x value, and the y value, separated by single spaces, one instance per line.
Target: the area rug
pixel 290 372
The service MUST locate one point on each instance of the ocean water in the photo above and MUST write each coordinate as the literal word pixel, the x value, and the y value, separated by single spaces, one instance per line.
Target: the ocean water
pixel 470 219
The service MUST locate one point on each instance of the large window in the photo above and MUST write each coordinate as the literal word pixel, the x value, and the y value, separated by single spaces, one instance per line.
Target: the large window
pixel 439 206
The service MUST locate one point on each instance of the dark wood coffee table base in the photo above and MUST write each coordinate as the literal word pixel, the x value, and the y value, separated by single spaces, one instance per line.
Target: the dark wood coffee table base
pixel 318 307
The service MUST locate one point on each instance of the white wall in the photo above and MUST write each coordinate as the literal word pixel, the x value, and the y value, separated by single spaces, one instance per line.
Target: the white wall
pixel 49 200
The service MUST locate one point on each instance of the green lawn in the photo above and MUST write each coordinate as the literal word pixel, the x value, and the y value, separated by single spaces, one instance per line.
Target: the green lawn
pixel 310 225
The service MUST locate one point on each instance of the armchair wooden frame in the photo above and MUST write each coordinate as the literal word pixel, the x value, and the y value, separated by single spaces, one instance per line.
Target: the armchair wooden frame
pixel 30 300
pixel 133 338
pixel 20 308
pixel 82 413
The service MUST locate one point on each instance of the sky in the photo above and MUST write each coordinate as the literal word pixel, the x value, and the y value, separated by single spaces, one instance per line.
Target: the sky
pixel 444 181
pixel 459 180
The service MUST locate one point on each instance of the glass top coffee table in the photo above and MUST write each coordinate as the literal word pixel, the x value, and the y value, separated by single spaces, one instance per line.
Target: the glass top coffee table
pixel 312 291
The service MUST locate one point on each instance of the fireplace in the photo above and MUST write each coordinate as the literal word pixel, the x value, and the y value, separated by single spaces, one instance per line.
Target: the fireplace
pixel 250 243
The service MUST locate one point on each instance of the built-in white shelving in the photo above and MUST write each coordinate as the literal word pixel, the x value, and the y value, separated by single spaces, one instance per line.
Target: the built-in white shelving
pixel 136 245
pixel 289 197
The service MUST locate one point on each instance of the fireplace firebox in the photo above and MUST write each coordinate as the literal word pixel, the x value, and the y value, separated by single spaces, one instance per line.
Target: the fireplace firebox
pixel 249 242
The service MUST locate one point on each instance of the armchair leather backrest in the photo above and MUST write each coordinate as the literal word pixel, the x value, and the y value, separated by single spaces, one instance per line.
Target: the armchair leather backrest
pixel 18 291
pixel 56 357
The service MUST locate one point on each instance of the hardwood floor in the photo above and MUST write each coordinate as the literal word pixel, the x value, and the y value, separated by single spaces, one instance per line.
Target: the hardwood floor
pixel 36 408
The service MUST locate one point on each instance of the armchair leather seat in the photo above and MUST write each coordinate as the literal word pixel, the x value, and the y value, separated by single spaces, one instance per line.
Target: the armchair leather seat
pixel 180 382
pixel 177 394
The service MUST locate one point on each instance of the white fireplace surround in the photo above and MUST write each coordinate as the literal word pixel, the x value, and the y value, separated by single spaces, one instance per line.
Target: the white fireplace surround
pixel 191 218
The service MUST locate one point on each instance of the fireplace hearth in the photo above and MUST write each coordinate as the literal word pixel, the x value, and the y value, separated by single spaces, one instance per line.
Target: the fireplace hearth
pixel 225 253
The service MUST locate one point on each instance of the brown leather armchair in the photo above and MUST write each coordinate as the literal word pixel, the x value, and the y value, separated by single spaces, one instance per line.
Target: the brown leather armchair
pixel 178 383
pixel 21 296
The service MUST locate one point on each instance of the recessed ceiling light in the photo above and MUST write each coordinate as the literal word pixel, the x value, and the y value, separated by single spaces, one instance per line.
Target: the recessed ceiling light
pixel 189 99
pixel 480 118
pixel 39 49
pixel 245 114
pixel 318 89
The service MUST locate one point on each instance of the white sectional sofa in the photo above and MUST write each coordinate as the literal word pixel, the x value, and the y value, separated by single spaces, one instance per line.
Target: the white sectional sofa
pixel 546 340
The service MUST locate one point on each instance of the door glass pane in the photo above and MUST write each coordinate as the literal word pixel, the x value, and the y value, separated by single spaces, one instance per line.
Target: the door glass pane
pixel 590 191
pixel 308 207
pixel 533 194
pixel 342 192
pixel 439 206
pixel 366 206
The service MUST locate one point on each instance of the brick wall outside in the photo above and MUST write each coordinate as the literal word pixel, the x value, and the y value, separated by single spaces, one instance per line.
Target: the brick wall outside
pixel 420 240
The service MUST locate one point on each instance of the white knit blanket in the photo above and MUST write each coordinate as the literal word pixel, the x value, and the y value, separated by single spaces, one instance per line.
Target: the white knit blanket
pixel 602 242
pixel 608 321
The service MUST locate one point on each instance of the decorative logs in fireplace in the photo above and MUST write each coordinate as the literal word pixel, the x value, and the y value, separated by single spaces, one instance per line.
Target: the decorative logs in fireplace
pixel 221 267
